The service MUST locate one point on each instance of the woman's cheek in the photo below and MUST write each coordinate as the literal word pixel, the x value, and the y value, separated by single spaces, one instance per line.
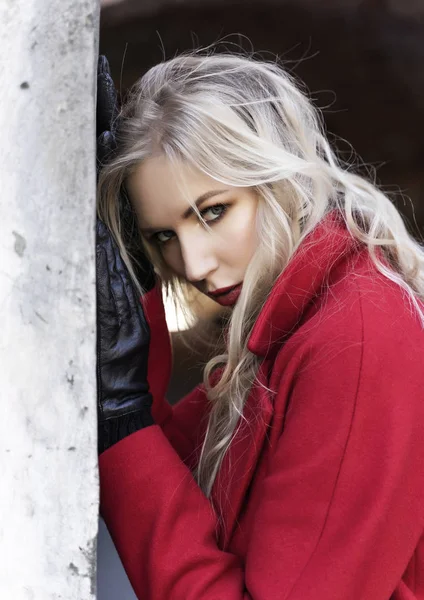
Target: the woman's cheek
pixel 239 232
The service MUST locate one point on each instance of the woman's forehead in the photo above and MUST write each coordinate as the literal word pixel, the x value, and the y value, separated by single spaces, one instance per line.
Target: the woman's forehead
pixel 160 188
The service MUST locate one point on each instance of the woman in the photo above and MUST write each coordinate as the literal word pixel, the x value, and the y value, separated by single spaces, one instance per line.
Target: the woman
pixel 295 470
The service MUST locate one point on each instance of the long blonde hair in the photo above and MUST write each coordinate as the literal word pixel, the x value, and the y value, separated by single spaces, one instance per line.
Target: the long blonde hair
pixel 246 122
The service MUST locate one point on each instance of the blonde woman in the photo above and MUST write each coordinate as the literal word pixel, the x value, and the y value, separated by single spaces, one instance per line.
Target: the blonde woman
pixel 296 470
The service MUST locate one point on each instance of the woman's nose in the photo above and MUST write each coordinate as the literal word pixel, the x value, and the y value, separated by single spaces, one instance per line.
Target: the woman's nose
pixel 199 261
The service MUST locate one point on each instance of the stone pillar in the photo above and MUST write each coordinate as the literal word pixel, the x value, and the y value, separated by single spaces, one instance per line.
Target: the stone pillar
pixel 48 457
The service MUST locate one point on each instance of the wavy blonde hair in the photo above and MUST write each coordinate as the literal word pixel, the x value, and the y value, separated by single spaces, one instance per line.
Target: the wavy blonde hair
pixel 246 122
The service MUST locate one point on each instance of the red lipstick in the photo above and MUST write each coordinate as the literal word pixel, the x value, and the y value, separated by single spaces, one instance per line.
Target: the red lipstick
pixel 226 296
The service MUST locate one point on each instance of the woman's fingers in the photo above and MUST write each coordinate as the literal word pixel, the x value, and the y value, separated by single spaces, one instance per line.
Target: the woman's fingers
pixel 108 273
pixel 107 100
pixel 122 293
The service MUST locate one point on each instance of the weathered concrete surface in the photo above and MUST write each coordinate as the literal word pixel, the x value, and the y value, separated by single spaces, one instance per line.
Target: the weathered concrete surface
pixel 48 458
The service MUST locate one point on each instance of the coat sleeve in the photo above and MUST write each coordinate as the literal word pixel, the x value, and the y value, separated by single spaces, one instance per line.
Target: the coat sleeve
pixel 184 425
pixel 163 526
pixel 341 504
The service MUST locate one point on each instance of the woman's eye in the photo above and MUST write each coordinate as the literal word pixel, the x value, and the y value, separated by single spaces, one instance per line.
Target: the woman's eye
pixel 210 215
pixel 163 236
pixel 213 213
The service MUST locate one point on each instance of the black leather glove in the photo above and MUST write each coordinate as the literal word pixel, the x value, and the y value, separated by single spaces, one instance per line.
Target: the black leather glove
pixel 123 335
pixel 107 111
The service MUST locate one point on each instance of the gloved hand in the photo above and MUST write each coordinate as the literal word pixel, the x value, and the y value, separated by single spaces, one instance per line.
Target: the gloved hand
pixel 123 337
pixel 123 333
pixel 107 111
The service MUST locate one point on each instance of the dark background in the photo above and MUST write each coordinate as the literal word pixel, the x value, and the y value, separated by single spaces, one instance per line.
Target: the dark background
pixel 363 60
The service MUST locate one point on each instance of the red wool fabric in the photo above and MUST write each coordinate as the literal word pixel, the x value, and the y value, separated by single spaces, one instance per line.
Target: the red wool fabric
pixel 322 490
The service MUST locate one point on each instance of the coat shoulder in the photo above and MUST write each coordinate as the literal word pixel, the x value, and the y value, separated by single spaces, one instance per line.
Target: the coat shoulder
pixel 363 304
pixel 361 322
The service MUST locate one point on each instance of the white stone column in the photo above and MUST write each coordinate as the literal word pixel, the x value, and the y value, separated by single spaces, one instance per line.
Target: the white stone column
pixel 48 456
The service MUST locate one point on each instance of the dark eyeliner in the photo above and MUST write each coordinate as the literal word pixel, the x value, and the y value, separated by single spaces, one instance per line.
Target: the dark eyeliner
pixel 218 217
pixel 154 239
pixel 224 207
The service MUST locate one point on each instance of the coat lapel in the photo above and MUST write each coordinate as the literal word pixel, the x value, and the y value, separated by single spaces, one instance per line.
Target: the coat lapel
pixel 242 456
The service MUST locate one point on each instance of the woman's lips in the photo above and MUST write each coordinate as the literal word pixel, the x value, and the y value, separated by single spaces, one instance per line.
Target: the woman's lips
pixel 226 296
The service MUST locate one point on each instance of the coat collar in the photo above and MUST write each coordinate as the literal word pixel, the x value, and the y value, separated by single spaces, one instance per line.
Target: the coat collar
pixel 306 274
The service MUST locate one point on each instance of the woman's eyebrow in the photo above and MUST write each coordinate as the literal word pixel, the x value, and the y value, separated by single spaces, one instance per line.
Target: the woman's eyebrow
pixel 201 199
pixel 189 210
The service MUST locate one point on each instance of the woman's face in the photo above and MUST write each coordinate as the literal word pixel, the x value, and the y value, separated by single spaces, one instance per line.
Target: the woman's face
pixel 215 260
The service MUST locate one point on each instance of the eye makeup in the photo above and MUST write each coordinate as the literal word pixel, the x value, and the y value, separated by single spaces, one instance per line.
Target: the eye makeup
pixel 216 212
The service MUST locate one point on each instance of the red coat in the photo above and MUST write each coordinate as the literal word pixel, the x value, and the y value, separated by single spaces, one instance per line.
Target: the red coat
pixel 322 490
